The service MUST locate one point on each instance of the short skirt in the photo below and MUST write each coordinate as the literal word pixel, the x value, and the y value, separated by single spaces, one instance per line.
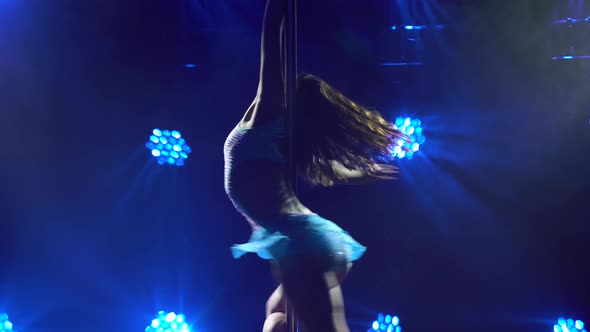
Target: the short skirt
pixel 302 235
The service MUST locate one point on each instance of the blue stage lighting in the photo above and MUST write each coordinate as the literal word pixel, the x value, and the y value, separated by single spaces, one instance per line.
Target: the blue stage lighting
pixel 413 128
pixel 571 57
pixel 168 147
pixel 385 323
pixel 5 324
pixel 568 325
pixel 168 322
pixel 418 27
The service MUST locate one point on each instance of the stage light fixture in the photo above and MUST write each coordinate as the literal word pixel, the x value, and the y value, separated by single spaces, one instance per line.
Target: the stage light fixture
pixel 5 324
pixel 169 322
pixel 569 325
pixel 413 128
pixel 418 27
pixel 386 323
pixel 168 147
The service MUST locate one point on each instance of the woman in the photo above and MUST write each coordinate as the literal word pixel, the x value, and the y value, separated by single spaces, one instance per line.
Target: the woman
pixel 337 144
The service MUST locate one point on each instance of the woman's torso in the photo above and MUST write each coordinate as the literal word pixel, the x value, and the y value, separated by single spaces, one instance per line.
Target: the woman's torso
pixel 256 171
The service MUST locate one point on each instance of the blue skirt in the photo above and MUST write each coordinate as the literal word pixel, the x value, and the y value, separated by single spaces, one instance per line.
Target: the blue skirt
pixel 307 235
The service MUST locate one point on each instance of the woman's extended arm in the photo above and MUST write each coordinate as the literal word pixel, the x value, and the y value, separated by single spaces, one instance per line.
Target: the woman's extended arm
pixel 377 173
pixel 271 85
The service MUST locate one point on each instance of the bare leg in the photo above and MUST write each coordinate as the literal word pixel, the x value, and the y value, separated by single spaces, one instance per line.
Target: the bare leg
pixel 276 302
pixel 316 296
pixel 338 312
pixel 276 322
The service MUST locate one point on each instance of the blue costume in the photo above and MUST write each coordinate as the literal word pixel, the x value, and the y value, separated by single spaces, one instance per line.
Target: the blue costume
pixel 255 181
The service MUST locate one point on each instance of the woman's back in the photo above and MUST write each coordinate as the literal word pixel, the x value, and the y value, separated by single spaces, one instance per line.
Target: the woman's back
pixel 256 172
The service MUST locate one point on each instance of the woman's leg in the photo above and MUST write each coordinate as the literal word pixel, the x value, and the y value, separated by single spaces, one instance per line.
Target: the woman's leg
pixel 338 312
pixel 275 312
pixel 276 322
pixel 276 302
pixel 315 295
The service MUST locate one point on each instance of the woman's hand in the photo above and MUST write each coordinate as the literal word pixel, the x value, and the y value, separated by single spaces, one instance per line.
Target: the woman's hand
pixel 380 172
pixel 375 173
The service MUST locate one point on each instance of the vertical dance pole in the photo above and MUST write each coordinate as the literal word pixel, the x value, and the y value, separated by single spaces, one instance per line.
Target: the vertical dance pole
pixel 291 89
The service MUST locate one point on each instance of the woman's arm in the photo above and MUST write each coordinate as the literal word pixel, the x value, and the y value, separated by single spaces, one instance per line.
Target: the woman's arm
pixel 376 173
pixel 271 85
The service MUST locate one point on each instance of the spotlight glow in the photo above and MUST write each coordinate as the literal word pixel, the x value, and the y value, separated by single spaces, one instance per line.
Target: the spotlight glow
pixel 569 325
pixel 385 323
pixel 413 128
pixel 570 57
pixel 168 147
pixel 5 324
pixel 168 322
pixel 418 27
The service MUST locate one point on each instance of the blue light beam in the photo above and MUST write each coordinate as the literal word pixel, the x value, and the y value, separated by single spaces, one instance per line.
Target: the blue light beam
pixel 168 147
pixel 385 323
pixel 168 322
pixel 413 128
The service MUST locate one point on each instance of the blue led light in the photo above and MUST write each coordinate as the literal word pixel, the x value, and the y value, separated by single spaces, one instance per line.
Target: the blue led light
pixel 570 20
pixel 568 325
pixel 385 323
pixel 418 27
pixel 5 324
pixel 168 322
pixel 571 57
pixel 168 147
pixel 414 130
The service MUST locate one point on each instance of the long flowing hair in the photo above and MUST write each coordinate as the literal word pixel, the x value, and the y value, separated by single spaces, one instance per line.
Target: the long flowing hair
pixel 333 128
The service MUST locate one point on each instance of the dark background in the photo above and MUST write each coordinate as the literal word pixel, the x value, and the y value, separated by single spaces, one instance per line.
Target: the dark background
pixel 486 230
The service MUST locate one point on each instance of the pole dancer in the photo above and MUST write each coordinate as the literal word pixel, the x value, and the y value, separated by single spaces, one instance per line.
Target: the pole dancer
pixel 336 143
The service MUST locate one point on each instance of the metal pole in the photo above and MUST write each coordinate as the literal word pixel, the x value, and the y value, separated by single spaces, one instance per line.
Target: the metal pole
pixel 290 92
